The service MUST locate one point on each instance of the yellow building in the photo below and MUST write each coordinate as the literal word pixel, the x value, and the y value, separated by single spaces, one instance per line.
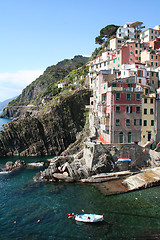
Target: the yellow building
pixel 148 117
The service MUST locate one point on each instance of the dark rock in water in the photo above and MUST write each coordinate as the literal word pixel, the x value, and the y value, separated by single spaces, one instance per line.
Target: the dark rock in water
pixel 105 164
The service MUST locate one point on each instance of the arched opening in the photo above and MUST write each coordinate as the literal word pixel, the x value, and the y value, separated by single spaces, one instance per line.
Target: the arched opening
pixel 121 137
pixel 129 137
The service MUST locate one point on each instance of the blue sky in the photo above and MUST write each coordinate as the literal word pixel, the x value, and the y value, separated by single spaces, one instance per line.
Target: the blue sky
pixel 35 34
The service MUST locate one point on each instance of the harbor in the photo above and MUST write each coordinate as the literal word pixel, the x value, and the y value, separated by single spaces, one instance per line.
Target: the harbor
pixel 126 216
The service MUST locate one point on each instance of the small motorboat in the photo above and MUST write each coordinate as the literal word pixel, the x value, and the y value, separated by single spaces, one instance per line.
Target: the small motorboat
pixel 90 218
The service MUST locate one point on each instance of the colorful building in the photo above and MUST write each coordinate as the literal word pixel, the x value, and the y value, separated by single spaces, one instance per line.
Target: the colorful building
pixel 148 117
pixel 150 34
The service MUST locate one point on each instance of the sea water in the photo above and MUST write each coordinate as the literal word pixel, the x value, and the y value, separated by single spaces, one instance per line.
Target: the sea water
pixel 3 121
pixel 134 215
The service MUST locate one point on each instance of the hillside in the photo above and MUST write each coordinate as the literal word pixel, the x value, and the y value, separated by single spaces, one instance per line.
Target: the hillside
pixel 5 103
pixel 48 81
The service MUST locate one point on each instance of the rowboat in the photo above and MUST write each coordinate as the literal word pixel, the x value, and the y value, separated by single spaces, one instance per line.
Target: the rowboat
pixel 90 218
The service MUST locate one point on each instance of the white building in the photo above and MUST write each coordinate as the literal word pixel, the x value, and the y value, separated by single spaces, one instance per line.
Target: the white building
pixel 116 43
pixel 125 31
pixel 150 34
pixel 136 69
pixel 62 85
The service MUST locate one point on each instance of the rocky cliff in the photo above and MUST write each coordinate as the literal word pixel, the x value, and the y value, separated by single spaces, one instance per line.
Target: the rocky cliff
pixel 47 133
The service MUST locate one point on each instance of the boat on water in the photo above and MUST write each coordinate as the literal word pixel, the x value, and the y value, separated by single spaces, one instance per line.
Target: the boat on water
pixel 90 218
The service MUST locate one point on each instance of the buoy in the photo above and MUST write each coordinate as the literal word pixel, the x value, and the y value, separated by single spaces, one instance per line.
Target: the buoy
pixel 82 210
pixel 69 213
pixel 15 222
pixel 38 221
pixel 144 150
pixel 69 216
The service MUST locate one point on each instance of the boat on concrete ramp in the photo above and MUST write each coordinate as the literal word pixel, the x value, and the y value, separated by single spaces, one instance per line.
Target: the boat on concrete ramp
pixel 89 218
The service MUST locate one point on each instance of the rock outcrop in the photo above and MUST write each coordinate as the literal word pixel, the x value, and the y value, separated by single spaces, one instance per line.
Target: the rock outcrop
pixel 49 133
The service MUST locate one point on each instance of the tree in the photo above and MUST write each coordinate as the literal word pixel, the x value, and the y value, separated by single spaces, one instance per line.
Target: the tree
pixel 138 28
pixel 106 33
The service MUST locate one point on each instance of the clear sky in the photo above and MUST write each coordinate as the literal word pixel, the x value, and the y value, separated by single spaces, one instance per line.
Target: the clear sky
pixel 35 34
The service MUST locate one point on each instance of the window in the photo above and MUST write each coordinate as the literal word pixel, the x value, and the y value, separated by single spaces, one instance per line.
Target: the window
pixel 145 123
pixel 131 52
pixel 136 51
pixel 145 100
pixel 146 91
pixel 114 61
pixel 151 111
pixel 104 86
pixel 152 122
pixel 131 46
pixel 135 122
pixel 104 64
pixel 119 35
pixel 128 96
pixel 118 96
pixel 117 122
pixel 151 63
pixel 114 85
pixel 118 109
pixel 129 137
pixel 151 56
pixel 140 73
pixel 128 122
pixel 136 45
pixel 119 29
pixel 96 65
pixel 145 110
pixel 138 97
pixel 140 81
pixel 129 109
pixel 140 45
pixel 140 122
pixel 121 137
pixel 131 58
pixel 151 100
pixel 137 109
pixel 149 136
pixel 118 58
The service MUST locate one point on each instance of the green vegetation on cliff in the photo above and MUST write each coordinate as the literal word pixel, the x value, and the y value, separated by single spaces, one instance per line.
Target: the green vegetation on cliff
pixel 46 84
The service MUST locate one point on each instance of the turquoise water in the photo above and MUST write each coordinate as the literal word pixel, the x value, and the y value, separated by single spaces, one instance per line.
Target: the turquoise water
pixel 134 215
pixel 3 121
pixel 127 216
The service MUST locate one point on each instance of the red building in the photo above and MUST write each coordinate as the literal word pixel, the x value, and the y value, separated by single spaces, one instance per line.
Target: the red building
pixel 123 112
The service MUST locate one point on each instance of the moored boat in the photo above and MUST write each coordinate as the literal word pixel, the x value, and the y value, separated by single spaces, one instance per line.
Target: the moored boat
pixel 90 218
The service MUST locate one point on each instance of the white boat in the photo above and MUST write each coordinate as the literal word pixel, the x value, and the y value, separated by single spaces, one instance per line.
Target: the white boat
pixel 36 164
pixel 90 218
